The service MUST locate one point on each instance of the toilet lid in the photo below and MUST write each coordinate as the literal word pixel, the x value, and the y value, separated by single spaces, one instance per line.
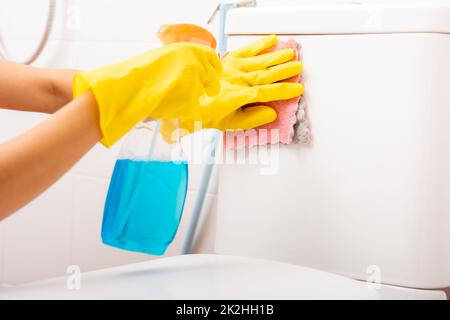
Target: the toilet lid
pixel 206 277
pixel 209 277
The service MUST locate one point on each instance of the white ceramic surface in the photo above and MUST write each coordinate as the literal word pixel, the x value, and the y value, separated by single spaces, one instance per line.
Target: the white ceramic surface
pixel 373 188
pixel 211 277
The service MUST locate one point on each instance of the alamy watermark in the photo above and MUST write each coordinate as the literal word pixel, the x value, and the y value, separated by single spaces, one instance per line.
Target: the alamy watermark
pixel 237 147
pixel 73 281
pixel 373 277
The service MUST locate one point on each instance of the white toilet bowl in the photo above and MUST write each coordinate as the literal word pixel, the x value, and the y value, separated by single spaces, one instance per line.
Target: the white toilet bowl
pixel 211 277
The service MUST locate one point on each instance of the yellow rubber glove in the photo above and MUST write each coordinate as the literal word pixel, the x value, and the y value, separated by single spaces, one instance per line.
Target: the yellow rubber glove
pixel 163 83
pixel 248 78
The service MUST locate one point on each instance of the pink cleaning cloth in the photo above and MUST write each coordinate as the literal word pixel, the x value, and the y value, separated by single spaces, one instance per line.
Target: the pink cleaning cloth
pixel 291 118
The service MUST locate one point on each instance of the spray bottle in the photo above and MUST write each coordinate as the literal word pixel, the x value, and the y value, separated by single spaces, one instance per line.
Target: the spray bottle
pixel 148 186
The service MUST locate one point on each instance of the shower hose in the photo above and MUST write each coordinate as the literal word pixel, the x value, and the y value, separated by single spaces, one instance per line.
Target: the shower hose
pixel 42 43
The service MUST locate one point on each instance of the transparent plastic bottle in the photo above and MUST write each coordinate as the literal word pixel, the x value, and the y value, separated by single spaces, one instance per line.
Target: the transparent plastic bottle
pixel 147 192
pixel 148 186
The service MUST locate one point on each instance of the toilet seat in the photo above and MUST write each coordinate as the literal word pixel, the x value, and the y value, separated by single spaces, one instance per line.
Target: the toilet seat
pixel 212 277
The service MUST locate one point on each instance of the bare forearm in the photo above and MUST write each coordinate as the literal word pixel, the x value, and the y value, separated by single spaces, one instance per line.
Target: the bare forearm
pixel 61 88
pixel 34 89
pixel 32 162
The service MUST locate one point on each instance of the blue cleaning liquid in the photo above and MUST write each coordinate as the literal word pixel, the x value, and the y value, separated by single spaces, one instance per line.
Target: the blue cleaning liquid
pixel 144 205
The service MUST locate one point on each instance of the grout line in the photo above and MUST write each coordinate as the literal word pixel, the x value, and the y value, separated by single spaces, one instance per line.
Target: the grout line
pixel 104 42
pixel 71 222
pixel 102 177
pixel 90 175
pixel 209 193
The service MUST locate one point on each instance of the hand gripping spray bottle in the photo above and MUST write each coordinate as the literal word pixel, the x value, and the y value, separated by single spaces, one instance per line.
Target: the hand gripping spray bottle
pixel 148 186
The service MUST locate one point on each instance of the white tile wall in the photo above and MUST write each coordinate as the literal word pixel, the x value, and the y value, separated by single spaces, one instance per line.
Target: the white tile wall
pixel 36 240
pixel 99 162
pixel 62 226
pixel 87 250
pixel 13 123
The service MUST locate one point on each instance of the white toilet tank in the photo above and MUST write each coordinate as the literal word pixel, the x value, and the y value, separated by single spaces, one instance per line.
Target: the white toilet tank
pixel 370 197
